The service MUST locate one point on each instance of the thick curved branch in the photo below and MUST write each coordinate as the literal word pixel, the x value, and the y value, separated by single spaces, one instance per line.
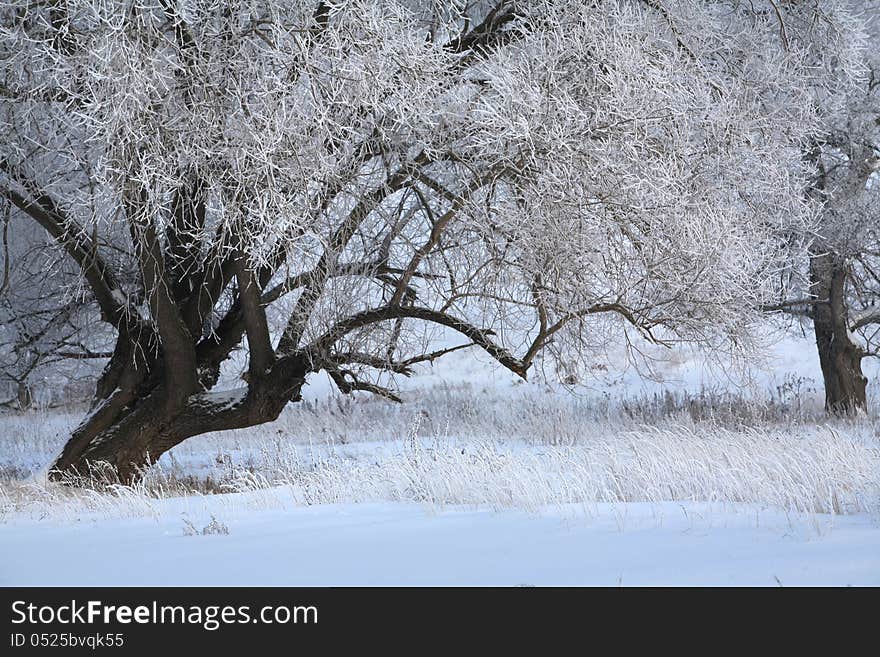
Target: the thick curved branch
pixel 318 349
pixel 80 248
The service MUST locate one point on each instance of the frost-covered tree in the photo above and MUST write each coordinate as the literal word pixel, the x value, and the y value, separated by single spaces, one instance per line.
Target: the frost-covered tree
pixel 845 261
pixel 842 295
pixel 331 184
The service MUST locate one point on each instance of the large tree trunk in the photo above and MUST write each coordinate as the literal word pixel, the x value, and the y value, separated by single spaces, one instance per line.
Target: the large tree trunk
pixel 132 428
pixel 839 356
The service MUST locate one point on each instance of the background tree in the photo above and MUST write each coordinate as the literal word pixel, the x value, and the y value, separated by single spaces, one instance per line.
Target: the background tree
pixel 342 186
pixel 842 296
pixel 51 347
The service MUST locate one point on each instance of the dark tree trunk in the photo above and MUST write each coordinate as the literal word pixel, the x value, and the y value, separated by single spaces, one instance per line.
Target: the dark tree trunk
pixel 131 429
pixel 839 356
pixel 25 398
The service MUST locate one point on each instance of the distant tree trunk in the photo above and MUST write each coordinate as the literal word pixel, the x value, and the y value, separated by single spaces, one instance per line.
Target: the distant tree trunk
pixel 839 356
pixel 25 398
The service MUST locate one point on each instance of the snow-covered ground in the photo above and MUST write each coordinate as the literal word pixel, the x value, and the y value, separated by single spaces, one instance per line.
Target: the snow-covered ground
pixel 406 544
pixel 479 479
pixel 783 508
